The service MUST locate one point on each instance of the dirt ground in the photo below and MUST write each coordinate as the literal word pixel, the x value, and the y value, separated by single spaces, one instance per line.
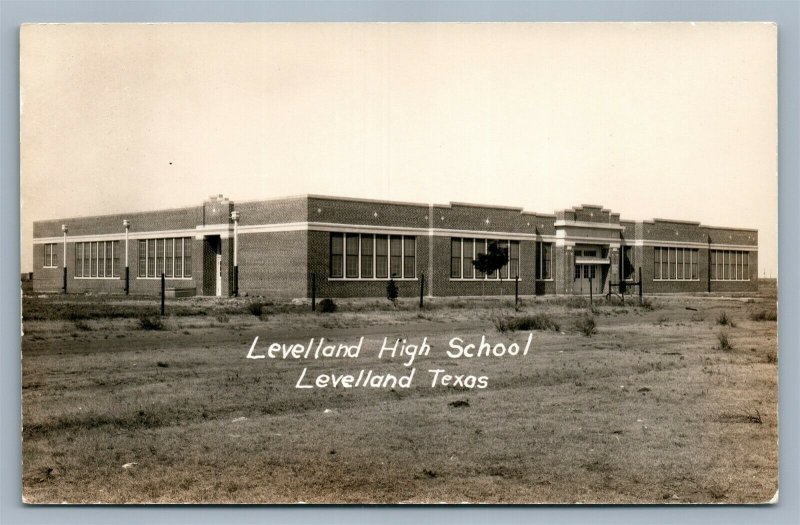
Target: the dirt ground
pixel 652 407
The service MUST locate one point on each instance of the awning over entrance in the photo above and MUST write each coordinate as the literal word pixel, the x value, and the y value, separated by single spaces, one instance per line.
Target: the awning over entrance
pixel 592 260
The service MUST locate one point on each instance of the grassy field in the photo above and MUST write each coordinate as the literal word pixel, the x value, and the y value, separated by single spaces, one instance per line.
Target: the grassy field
pixel 660 404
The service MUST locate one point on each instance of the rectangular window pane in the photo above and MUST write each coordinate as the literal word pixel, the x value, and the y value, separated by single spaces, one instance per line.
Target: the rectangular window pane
pixel 142 258
pixel 513 256
pixel 337 255
pixel 115 264
pixel 455 258
pixel 109 258
pixel 351 263
pixel 78 259
pixel 468 251
pixel 746 267
pixel 367 255
pixel 169 263
pixel 547 257
pixel 396 256
pixel 656 263
pixel 93 259
pixel 409 257
pixel 695 263
pixel 480 248
pixel 187 256
pixel 381 256
pixel 159 257
pixel 739 271
pixel 151 258
pixel 179 258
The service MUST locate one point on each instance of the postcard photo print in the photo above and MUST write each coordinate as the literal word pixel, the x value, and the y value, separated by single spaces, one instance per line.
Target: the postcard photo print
pixel 399 263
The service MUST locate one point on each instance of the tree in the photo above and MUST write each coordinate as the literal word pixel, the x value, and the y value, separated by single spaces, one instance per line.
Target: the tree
pixel 487 263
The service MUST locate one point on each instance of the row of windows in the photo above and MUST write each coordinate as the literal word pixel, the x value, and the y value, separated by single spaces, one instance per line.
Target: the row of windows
pixel 172 257
pixel 372 256
pixel 676 264
pixel 729 265
pixel 464 251
pixel 50 256
pixel 97 259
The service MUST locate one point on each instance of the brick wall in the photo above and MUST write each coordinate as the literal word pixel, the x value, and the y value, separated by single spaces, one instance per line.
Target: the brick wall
pixel 273 264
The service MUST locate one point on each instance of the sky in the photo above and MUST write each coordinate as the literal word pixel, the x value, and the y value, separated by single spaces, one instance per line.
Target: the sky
pixel 667 120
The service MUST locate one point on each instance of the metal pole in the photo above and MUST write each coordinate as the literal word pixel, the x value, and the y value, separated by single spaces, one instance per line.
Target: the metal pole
pixel 64 229
pixel 313 292
pixel 421 289
pixel 127 225
pixel 163 292
pixel 516 290
pixel 235 217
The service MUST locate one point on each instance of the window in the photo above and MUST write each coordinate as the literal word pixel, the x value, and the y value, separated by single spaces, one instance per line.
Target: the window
pixel 675 264
pixel 50 256
pixel 171 256
pixel 98 259
pixel 142 258
pixel 169 266
pixel 372 256
pixel 79 259
pixel 367 256
pixel 464 251
pixel 468 249
pixel 351 245
pixel 513 259
pixel 337 255
pixel 395 256
pixel 730 265
pixel 381 256
pixel 455 258
pixel 544 260
pixel 409 256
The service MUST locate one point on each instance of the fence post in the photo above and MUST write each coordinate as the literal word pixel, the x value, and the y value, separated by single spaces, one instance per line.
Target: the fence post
pixel 516 291
pixel 313 291
pixel 421 289
pixel 640 286
pixel 163 292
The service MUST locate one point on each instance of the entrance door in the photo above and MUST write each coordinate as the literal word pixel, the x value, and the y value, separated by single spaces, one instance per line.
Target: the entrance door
pixel 218 273
pixel 586 276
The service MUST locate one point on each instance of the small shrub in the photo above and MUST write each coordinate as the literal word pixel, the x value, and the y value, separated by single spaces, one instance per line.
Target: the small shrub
pixel 764 315
pixel 83 325
pixel 724 342
pixel 772 357
pixel 391 291
pixel 222 318
pixel 586 325
pixel 256 309
pixel 151 322
pixel 662 319
pixel 327 306
pixel 647 304
pixel 723 319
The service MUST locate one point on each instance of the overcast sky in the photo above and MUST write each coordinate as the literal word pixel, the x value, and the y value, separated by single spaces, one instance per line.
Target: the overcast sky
pixel 651 120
